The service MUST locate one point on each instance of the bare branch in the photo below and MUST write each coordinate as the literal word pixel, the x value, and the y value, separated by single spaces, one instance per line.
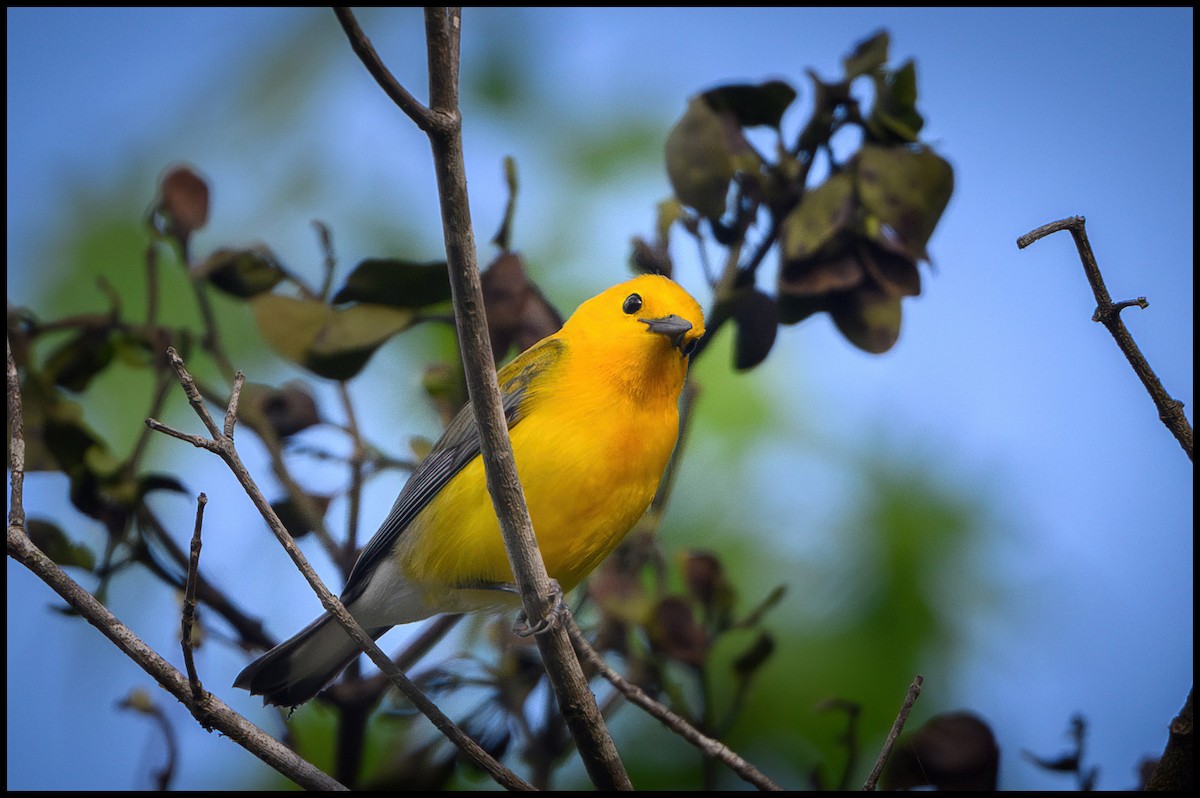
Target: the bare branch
pixel 442 122
pixel 539 598
pixel 714 749
pixel 189 600
pixel 418 113
pixel 1170 410
pixel 210 710
pixel 224 447
pixel 16 447
pixel 914 690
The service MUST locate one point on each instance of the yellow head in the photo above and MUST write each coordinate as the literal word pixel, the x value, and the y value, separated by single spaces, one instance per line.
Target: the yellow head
pixel 638 333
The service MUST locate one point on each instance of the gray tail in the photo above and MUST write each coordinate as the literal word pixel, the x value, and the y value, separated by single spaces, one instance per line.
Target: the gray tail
pixel 297 669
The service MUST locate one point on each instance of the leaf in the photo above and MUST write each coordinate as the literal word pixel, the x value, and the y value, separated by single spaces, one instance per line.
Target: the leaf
pixel 517 311
pixel 906 192
pixel 294 518
pixel 331 343
pixel 795 309
pixel 74 364
pixel 894 118
pixel 396 283
pixel 753 105
pixel 757 320
pixel 699 164
pixel 868 55
pixel 895 274
pixel 287 410
pixel 869 318
pixel 754 657
pixel 673 632
pixel 184 201
pixel 57 546
pixel 243 273
pixel 954 751
pixel 825 212
pixel 152 482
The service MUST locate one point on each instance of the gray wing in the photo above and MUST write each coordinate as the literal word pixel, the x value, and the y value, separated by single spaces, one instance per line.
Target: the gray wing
pixel 459 445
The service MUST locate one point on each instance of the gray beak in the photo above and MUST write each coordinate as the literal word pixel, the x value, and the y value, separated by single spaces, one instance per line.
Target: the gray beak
pixel 674 327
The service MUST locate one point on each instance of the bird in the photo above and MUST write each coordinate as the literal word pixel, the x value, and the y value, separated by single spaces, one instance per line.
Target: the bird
pixel 593 416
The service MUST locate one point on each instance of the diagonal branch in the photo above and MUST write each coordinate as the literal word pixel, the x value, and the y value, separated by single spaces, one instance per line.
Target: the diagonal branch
pixel 223 446
pixel 205 707
pixel 714 749
pixel 1108 313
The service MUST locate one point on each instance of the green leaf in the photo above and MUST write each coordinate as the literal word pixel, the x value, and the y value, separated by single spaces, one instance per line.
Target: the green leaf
pixel 753 105
pixel 894 117
pixel 869 318
pixel 331 343
pixel 243 273
pixel 699 163
pixel 57 546
pixel 906 191
pixel 396 283
pixel 75 363
pixel 822 215
pixel 869 54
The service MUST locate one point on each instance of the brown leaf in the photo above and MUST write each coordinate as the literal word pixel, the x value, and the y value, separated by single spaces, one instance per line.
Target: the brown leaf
pixel 952 751
pixel 184 200
pixel 675 633
pixel 517 312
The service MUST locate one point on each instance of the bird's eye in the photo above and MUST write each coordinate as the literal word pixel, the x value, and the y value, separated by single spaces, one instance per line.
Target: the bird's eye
pixel 633 303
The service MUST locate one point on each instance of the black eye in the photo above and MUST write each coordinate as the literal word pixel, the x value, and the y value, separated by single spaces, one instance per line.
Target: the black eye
pixel 633 303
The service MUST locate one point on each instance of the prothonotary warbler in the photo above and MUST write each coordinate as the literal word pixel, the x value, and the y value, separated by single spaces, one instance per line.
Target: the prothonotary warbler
pixel 593 416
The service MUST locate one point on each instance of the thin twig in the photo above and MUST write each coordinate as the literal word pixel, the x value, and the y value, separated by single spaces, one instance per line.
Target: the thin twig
pixel 1108 313
pixel 354 496
pixel 713 749
pixel 326 239
pixel 210 710
pixel 189 600
pixel 914 690
pixel 225 448
pixel 424 118
pixel 249 630
pixel 16 445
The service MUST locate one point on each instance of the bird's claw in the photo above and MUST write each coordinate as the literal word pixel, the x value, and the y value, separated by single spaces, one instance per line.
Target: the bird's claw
pixel 552 621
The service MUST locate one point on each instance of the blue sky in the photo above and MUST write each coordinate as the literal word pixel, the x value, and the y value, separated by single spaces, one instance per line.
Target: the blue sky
pixel 999 378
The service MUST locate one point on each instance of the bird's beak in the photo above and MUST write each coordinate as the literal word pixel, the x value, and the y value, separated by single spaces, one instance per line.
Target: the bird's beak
pixel 675 328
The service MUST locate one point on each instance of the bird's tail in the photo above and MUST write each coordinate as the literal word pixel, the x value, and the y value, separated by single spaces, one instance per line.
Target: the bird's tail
pixel 299 668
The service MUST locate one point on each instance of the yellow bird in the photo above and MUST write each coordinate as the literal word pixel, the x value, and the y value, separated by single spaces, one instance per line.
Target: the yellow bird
pixel 593 416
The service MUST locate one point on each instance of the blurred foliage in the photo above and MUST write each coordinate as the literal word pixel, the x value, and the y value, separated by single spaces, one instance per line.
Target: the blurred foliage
pixel 849 246
pixel 705 629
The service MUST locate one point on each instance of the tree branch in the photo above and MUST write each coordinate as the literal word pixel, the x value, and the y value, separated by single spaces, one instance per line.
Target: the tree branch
pixel 1108 313
pixel 223 446
pixel 914 690
pixel 714 749
pixel 208 709
pixel 442 122
pixel 189 600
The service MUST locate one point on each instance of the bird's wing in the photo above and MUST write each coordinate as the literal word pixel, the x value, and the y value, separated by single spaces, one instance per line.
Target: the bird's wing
pixel 459 445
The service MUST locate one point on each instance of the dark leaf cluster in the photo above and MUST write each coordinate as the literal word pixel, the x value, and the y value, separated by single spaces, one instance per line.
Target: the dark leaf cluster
pixel 848 246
